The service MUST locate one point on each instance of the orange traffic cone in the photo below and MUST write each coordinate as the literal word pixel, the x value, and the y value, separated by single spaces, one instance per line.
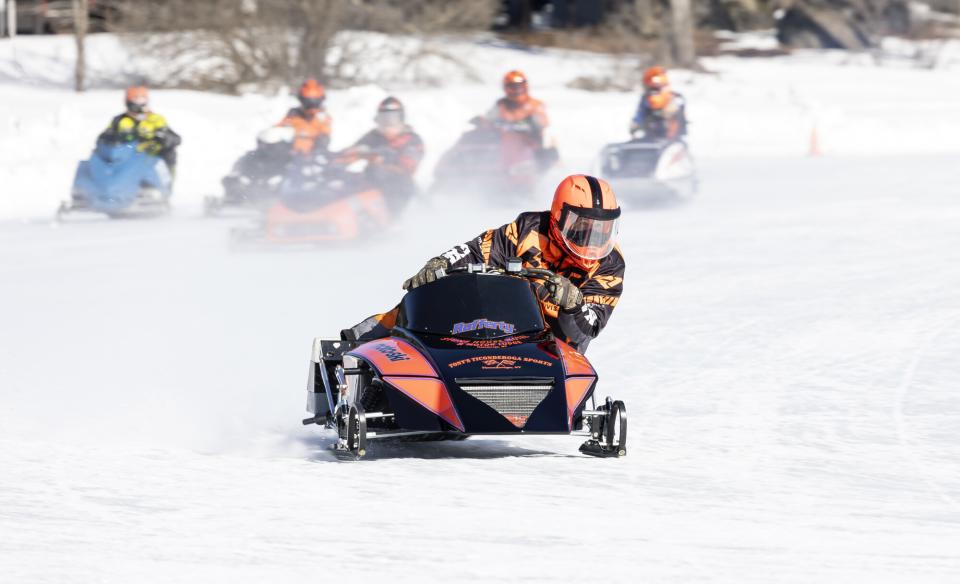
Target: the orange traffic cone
pixel 814 149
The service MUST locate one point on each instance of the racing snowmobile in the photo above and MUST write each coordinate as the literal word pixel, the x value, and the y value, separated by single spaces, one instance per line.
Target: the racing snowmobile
pixel 255 179
pixel 493 158
pixel 322 202
pixel 120 181
pixel 470 355
pixel 648 171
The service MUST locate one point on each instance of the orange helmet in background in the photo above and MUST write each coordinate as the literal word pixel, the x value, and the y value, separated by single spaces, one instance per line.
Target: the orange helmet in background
pixel 515 86
pixel 655 78
pixel 136 98
pixel 585 217
pixel 311 95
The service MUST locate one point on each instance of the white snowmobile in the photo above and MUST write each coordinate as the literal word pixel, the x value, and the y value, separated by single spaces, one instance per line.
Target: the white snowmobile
pixel 646 172
pixel 254 182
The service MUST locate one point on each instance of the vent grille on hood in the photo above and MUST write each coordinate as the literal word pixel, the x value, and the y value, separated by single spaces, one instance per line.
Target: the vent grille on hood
pixel 513 398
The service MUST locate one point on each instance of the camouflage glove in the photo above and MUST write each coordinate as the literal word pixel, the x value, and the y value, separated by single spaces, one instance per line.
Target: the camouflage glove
pixel 432 270
pixel 564 294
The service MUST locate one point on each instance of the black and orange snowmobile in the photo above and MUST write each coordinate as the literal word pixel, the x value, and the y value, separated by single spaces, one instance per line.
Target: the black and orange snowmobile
pixel 322 202
pixel 492 158
pixel 470 355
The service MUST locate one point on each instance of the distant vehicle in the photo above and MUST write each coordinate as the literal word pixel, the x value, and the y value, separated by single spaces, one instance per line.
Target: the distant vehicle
pixel 493 160
pixel 254 181
pixel 649 172
pixel 323 203
pixel 120 181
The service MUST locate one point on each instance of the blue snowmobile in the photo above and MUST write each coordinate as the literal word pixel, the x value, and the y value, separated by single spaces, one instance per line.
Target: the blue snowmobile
pixel 120 181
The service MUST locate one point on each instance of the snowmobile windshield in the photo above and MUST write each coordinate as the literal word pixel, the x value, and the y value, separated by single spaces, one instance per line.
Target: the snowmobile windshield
pixel 589 233
pixel 476 306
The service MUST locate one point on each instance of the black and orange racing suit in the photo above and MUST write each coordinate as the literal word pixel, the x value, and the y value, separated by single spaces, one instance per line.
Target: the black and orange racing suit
pixel 398 155
pixel 528 238
pixel 667 123
pixel 312 130
pixel 528 117
pixel 395 160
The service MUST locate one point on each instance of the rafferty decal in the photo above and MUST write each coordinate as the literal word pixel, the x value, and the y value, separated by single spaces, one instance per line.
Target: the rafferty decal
pixel 482 323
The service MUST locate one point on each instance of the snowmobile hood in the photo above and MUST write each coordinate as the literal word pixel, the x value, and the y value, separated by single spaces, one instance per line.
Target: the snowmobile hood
pixel 520 383
pixel 114 176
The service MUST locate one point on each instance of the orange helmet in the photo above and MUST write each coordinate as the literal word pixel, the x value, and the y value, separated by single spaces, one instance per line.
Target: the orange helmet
pixel 585 216
pixel 136 98
pixel 515 86
pixel 655 78
pixel 311 95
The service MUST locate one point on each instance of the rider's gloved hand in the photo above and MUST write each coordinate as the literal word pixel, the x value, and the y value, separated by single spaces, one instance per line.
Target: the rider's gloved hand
pixel 431 271
pixel 564 294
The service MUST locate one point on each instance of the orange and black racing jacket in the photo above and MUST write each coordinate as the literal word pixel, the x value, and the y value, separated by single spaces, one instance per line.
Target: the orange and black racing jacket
pixel 312 131
pixel 401 153
pixel 527 238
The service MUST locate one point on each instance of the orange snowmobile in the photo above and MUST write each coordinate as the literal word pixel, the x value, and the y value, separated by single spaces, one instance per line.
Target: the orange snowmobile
pixel 324 201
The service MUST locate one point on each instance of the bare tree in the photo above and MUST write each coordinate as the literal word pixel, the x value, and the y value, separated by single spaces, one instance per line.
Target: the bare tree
pixel 424 16
pixel 681 21
pixel 81 22
pixel 645 16
pixel 228 45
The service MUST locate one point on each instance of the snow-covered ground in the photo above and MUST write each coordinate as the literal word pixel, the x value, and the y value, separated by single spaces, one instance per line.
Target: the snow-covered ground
pixel 787 347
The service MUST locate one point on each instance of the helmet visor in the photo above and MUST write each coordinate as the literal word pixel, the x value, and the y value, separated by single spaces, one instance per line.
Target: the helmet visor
pixel 515 89
pixel 311 103
pixel 589 237
pixel 389 119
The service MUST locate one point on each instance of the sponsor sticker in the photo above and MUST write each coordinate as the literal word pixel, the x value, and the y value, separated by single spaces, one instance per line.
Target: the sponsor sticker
pixel 482 323
pixel 500 362
pixel 392 353
pixel 456 253
pixel 501 343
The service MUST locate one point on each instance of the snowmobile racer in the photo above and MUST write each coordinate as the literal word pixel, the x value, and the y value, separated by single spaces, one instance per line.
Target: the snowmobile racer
pixel 576 239
pixel 517 111
pixel 661 113
pixel 139 124
pixel 393 150
pixel 323 200
pixel 310 120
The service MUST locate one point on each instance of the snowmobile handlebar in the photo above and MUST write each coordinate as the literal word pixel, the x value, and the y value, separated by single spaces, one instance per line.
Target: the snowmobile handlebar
pixel 514 268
